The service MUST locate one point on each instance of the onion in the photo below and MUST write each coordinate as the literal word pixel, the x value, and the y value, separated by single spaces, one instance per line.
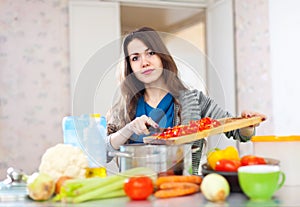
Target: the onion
pixel 40 186
pixel 215 187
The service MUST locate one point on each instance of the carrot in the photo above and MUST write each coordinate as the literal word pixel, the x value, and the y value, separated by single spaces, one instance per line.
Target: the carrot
pixel 172 185
pixel 175 192
pixel 179 178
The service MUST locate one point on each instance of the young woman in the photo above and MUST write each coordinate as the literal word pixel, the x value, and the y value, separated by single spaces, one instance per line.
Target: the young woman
pixel 153 95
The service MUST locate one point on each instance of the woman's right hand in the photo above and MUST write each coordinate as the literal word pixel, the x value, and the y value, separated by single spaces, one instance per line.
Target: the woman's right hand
pixel 140 125
pixel 137 126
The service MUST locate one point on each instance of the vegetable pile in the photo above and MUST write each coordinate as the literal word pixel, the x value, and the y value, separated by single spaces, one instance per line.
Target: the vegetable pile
pixel 137 183
pixel 194 126
pixel 228 159
pixel 62 177
pixel 54 181
pixel 58 161
pixel 81 190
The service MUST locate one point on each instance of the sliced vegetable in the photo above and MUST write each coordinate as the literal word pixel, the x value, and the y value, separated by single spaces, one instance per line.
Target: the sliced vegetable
pixel 138 188
pixel 229 153
pixel 252 160
pixel 215 187
pixel 207 123
pixel 227 165
pixel 194 126
pixel 178 178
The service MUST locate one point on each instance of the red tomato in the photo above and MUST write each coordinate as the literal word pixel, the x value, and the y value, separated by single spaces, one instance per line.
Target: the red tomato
pixel 205 123
pixel 252 160
pixel 215 123
pixel 227 165
pixel 138 188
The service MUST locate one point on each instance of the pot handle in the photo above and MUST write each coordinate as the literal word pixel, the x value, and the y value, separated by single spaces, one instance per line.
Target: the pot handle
pixel 120 154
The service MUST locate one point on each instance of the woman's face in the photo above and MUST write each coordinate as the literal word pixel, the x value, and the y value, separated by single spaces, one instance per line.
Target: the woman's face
pixel 146 64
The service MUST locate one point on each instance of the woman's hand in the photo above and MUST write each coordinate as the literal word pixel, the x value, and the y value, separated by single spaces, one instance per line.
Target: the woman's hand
pixel 249 131
pixel 249 114
pixel 140 125
pixel 137 126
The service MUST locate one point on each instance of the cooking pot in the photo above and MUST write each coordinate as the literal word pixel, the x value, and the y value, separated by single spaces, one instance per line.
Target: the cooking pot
pixel 163 159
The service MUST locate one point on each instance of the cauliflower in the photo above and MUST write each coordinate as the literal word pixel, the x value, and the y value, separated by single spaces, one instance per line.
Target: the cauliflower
pixel 64 160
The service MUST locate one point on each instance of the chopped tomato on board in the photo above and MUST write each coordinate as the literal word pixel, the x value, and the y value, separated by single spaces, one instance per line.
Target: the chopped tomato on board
pixel 194 126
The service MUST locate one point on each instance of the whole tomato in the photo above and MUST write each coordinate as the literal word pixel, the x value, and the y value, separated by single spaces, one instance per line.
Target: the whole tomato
pixel 227 165
pixel 138 188
pixel 252 160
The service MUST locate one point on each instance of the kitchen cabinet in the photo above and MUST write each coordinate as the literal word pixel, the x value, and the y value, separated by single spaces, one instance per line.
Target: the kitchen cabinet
pixel 94 47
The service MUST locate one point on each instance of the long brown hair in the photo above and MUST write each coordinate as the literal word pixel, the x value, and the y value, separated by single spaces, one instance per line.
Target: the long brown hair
pixel 131 88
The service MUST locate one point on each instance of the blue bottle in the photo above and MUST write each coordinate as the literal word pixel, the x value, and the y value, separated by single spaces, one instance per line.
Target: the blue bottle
pixel 69 132
pixel 93 142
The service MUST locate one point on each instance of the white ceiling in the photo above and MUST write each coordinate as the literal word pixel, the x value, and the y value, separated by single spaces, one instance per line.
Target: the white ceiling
pixel 160 18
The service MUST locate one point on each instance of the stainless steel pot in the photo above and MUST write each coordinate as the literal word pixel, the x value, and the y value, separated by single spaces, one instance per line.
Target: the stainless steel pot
pixel 164 159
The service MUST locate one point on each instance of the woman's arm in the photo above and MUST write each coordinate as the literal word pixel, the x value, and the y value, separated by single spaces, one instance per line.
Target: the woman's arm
pixel 120 137
pixel 137 126
pixel 211 109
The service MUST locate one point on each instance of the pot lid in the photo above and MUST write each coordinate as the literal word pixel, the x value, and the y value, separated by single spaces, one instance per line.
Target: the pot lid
pixel 292 138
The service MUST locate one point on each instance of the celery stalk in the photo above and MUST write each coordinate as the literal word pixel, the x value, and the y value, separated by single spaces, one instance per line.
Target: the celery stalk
pixel 92 195
pixel 100 188
pixel 71 185
pixel 100 182
pixel 113 194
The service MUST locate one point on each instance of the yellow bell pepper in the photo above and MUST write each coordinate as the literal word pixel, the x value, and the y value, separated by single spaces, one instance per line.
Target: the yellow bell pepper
pixel 215 155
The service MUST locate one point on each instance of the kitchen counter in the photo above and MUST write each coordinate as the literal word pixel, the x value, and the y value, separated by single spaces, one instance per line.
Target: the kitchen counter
pixel 287 196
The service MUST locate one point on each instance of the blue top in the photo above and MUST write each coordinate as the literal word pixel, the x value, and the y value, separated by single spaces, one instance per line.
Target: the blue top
pixel 163 114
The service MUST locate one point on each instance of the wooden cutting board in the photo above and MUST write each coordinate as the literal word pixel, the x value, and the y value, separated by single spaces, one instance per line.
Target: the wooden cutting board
pixel 227 124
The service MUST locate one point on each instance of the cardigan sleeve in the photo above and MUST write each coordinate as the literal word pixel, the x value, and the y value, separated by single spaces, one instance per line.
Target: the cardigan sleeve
pixel 197 105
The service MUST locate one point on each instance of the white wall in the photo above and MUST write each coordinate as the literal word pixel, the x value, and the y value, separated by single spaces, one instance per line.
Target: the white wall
pixel 187 46
pixel 221 68
pixel 285 65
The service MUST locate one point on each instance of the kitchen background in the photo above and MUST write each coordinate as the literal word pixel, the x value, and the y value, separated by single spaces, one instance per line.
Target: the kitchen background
pixel 35 91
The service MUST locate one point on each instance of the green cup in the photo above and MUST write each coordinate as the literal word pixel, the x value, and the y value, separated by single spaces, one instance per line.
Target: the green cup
pixel 260 182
